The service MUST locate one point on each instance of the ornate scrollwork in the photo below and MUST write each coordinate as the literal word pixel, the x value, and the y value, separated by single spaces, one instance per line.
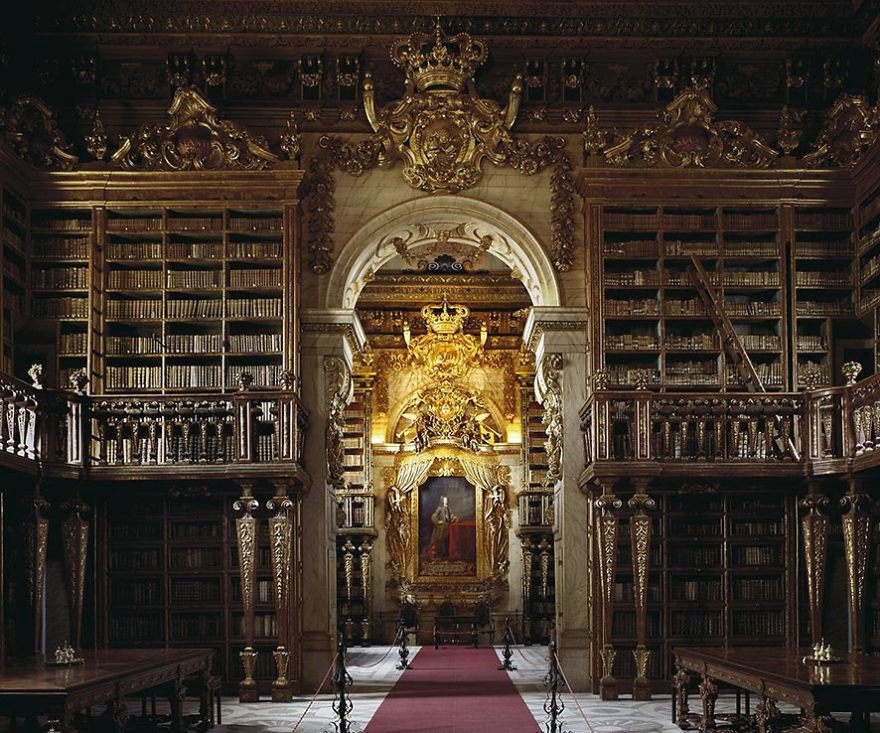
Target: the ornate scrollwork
pixel 29 127
pixel 850 129
pixel 192 139
pixel 339 393
pixel 687 136
pixel 551 371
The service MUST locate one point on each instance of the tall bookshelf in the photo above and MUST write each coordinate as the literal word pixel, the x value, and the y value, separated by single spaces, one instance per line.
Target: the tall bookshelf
pixel 13 262
pixel 719 574
pixel 192 297
pixel 172 579
pixel 822 263
pixel 868 253
pixel 61 245
pixel 656 326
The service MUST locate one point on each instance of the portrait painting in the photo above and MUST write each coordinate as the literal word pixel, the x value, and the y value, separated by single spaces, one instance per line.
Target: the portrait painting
pixel 447 527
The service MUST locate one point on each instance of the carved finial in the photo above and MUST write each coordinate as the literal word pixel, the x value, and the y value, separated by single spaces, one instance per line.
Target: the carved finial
pixel 789 137
pixel 291 139
pixel 594 138
pixel 287 379
pixel 601 379
pixel 851 371
pixel 245 380
pixel 36 374
pixel 96 140
pixel 78 380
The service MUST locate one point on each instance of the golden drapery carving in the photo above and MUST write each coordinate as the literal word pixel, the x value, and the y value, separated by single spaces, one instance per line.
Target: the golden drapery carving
pixel 192 139
pixel 281 546
pixel 491 482
pixel 340 387
pixel 857 524
pixel 30 129
pixel 850 129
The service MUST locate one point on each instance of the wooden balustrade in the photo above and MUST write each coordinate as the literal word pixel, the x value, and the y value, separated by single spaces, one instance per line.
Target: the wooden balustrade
pixel 19 422
pixel 64 430
pixel 667 429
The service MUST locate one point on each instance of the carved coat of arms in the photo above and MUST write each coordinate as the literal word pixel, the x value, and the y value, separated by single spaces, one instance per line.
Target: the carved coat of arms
pixel 440 129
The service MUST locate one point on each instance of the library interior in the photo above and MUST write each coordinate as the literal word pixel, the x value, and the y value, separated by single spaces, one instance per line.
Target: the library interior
pixel 544 324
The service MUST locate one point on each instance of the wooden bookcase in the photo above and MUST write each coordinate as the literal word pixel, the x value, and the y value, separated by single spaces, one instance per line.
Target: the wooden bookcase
pixel 172 579
pixel 721 573
pixel 192 297
pixel 165 283
pixel 61 250
pixel 822 257
pixel 656 326
pixel 868 252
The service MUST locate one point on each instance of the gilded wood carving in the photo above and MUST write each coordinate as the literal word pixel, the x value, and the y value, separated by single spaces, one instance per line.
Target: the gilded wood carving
pixel 192 139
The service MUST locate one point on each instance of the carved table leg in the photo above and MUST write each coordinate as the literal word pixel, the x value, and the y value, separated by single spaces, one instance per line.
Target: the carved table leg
pixel 176 694
pixel 813 723
pixel 708 694
pixel 680 696
pixel 116 714
pixel 767 715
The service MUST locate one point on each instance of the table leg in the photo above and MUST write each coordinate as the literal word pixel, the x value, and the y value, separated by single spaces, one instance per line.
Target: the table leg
pixel 767 715
pixel 680 699
pixel 708 694
pixel 176 693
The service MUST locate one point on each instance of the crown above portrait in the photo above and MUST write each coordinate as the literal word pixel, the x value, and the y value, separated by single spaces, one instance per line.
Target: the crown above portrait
pixel 445 320
pixel 438 60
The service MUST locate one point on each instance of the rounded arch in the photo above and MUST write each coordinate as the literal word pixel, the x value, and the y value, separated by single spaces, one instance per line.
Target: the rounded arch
pixel 511 242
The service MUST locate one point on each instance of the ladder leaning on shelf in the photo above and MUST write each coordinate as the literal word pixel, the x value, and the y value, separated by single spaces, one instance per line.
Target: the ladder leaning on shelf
pixel 729 337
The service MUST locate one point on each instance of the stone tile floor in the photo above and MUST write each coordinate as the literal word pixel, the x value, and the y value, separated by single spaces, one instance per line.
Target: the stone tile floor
pixel 374 674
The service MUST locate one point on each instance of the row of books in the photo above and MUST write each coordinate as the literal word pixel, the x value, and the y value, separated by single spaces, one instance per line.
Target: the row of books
pixel 253 307
pixel 134 224
pixel 692 528
pixel 194 558
pixel 756 556
pixel 195 278
pixel 134 250
pixel 61 307
pixel 136 531
pixel 12 208
pixel 826 220
pixel 13 239
pixel 756 528
pixel 769 372
pixel 811 343
pixel 265 625
pixel 181 376
pixel 825 279
pixel 757 589
pixel 196 626
pixel 194 223
pixel 623 624
pixel 255 278
pixel 624 591
pixel 760 342
pixel 745 309
pixel 748 278
pixel 51 223
pixel 75 342
pixel 809 367
pixel 195 308
pixel 624 341
pixel 757 623
pixel 136 627
pixel 135 559
pixel 135 592
pixel 632 307
pixel 696 623
pixel 196 529
pixel 696 590
pixel 824 308
pixel 263 591
pixel 841 248
pixel 191 590
pixel 60 277
pixel 62 248
pixel 135 279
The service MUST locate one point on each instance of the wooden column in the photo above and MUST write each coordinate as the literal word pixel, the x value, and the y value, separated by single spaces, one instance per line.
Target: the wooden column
pixel 856 522
pixel 75 538
pixel 246 530
pixel 366 560
pixel 37 577
pixel 527 560
pixel 608 524
pixel 640 541
pixel 281 543
pixel 814 530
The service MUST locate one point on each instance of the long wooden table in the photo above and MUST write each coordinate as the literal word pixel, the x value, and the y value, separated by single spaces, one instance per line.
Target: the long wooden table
pixel 28 688
pixel 852 685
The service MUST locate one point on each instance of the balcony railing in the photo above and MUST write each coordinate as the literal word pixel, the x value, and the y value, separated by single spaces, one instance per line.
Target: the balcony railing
pixel 831 430
pixel 68 429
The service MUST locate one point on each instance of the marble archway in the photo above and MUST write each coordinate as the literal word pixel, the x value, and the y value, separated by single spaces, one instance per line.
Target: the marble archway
pixel 369 248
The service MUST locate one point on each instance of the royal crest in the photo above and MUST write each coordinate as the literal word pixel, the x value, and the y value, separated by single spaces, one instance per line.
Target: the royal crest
pixel 440 128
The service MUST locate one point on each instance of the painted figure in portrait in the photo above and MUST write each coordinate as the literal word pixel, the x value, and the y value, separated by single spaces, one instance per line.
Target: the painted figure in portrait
pixel 447 527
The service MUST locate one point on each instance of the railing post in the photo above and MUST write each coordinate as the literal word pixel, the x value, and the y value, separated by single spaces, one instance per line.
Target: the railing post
pixel 507 653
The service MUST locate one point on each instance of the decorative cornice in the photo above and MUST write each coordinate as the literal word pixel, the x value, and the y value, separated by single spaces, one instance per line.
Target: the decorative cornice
pixel 29 128
pixel 570 323
pixel 505 18
pixel 192 139
pixel 850 128
pixel 687 136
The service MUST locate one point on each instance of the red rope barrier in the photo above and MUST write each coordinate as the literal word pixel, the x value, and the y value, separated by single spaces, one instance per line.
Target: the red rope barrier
pixel 315 696
pixel 573 696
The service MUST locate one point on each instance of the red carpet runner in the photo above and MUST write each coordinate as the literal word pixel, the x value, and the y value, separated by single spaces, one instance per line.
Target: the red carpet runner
pixel 453 690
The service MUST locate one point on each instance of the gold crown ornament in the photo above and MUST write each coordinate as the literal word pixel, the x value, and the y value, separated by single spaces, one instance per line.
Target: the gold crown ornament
pixel 437 60
pixel 445 320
